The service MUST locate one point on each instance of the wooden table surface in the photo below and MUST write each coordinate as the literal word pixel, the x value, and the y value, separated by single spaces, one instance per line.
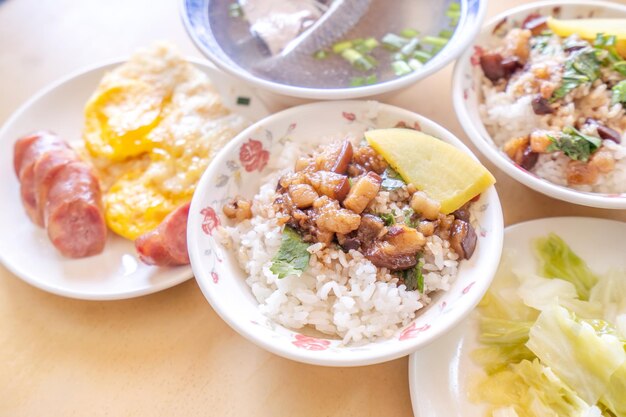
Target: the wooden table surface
pixel 169 353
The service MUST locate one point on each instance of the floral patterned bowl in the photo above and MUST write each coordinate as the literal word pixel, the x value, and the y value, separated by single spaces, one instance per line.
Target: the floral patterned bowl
pixel 467 95
pixel 239 168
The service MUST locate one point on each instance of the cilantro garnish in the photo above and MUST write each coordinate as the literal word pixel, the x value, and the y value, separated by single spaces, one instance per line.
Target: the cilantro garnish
pixel 574 144
pixel 414 277
pixel 619 92
pixel 292 257
pixel 581 67
pixel 391 180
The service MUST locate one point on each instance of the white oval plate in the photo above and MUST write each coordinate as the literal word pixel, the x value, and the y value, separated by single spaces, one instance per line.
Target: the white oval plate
pixel 116 273
pixel 440 373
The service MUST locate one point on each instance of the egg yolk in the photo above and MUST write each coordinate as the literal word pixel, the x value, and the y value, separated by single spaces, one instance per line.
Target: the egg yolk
pixel 119 119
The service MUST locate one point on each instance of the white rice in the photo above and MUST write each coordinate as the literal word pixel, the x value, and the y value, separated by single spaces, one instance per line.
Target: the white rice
pixel 340 294
pixel 507 113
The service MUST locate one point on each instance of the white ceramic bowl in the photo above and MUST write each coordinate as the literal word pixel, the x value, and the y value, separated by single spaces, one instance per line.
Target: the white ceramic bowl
pixel 223 281
pixel 466 98
pixel 195 15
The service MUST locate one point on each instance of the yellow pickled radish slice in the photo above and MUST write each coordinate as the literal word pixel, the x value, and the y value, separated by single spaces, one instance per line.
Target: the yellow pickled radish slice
pixel 588 29
pixel 444 172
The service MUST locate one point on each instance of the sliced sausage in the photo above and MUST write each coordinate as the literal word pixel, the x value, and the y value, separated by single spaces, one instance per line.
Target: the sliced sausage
pixel 167 244
pixel 26 152
pixel 73 212
pixel 29 148
pixel 45 170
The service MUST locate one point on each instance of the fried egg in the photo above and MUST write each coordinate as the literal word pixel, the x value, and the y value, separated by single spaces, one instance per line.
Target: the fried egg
pixel 151 128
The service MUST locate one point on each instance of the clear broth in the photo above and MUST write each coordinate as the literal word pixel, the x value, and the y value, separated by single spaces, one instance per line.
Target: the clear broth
pixel 234 37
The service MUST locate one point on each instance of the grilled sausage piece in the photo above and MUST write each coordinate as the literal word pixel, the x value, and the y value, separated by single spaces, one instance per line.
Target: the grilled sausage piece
pixel 45 170
pixel 73 212
pixel 26 152
pixel 167 244
pixel 61 193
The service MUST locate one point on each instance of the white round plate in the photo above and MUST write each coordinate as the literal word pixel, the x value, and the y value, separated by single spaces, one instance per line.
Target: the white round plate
pixel 116 273
pixel 439 374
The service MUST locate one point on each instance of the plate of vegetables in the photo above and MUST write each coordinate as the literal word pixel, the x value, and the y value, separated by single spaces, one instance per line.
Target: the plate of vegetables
pixel 547 339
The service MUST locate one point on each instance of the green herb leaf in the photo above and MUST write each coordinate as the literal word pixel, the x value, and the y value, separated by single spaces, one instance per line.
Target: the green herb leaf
pixel 620 67
pixel 581 67
pixel 292 257
pixel 607 54
pixel 414 277
pixel 419 272
pixel 572 43
pixel 619 92
pixel 540 42
pixel 604 41
pixel 388 218
pixel 391 180
pixel 408 217
pixel 574 144
pixel 587 65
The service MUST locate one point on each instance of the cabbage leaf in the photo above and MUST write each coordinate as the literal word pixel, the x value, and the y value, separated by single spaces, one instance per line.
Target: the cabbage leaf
pixel 541 293
pixel 557 260
pixel 584 358
pixel 529 389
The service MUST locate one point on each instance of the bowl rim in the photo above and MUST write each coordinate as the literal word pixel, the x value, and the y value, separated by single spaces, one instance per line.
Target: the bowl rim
pixel 598 200
pixel 401 348
pixel 469 31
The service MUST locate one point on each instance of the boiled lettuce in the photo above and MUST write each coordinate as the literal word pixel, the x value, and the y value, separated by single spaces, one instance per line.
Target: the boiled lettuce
pixel 584 358
pixel 540 293
pixel 496 358
pixel 557 260
pixel 610 292
pixel 502 300
pixel 530 389
pixel 553 344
